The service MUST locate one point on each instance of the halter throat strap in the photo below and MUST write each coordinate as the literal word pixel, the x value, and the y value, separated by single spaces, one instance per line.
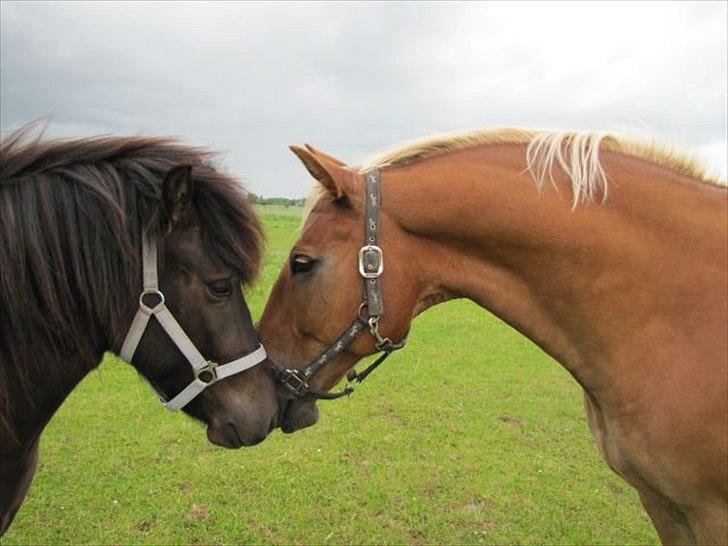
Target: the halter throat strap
pixel 151 303
pixel 371 268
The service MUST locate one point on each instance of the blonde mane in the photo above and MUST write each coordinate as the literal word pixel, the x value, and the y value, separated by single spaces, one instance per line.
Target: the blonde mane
pixel 575 152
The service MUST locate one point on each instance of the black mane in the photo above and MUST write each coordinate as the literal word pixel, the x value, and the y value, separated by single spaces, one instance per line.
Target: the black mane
pixel 71 217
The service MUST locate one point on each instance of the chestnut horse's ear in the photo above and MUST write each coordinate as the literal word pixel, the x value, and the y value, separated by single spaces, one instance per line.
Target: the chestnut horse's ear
pixel 331 173
pixel 177 191
pixel 319 153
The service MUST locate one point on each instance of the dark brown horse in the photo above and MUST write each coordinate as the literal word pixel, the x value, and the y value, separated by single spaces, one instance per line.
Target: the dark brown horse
pixel 616 268
pixel 74 216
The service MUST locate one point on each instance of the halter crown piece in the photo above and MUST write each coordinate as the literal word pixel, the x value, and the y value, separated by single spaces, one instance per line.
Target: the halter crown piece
pixel 206 372
pixel 371 267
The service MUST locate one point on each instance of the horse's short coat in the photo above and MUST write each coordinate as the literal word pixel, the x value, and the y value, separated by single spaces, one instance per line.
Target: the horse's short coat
pixel 72 213
pixel 614 262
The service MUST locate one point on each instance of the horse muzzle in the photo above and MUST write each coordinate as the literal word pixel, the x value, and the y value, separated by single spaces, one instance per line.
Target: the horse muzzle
pixel 298 413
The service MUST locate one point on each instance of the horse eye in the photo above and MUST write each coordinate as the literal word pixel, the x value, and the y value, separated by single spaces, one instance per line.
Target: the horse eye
pixel 220 288
pixel 301 264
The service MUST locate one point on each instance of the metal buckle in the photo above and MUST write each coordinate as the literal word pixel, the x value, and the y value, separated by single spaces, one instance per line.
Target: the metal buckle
pixel 369 273
pixel 293 381
pixel 207 374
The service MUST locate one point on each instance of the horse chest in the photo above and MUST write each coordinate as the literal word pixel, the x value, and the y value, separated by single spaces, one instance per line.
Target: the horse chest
pixel 612 444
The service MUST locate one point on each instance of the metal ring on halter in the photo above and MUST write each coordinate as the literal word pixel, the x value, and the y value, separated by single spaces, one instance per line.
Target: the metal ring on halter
pixel 205 372
pixel 157 307
pixel 209 368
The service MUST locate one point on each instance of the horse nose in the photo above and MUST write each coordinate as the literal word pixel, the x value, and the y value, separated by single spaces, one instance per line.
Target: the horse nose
pixel 250 437
pixel 233 435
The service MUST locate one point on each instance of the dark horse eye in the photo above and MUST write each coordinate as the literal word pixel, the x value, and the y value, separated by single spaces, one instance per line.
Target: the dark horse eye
pixel 301 264
pixel 220 288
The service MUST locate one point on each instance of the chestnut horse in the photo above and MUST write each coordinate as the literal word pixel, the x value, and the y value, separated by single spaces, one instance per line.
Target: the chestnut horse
pixel 76 217
pixel 616 268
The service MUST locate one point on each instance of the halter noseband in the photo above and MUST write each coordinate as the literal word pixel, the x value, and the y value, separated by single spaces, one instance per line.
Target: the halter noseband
pixel 206 372
pixel 371 267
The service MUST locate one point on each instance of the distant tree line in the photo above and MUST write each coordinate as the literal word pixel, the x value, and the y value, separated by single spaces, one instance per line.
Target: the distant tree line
pixel 283 201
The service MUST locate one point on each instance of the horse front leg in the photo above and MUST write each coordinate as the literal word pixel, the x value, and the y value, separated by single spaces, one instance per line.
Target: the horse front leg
pixel 671 524
pixel 16 476
pixel 709 522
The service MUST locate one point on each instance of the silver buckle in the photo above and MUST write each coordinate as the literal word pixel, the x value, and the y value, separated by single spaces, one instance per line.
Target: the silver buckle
pixel 207 374
pixel 369 273
pixel 292 380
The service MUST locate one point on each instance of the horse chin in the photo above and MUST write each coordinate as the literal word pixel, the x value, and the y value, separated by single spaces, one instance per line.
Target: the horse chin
pixel 299 414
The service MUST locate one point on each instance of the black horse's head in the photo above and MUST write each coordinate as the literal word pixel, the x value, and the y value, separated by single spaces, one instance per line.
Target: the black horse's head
pixel 74 218
pixel 207 251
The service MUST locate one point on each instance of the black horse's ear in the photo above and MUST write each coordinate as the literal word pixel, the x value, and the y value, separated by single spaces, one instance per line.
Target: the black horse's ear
pixel 177 192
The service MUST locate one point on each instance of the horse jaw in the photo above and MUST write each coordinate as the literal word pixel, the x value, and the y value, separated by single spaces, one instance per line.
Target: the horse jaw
pixel 298 414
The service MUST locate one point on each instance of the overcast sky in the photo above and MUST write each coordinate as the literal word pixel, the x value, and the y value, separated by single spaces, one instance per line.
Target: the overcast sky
pixel 352 78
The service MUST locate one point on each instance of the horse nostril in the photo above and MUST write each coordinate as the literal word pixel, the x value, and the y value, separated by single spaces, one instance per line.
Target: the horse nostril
pixel 249 437
pixel 234 430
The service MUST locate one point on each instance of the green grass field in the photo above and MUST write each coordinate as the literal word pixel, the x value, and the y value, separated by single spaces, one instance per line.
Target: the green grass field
pixel 470 436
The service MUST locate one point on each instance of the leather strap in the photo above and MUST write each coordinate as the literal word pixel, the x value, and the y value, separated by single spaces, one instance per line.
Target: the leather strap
pixel 371 267
pixel 372 259
pixel 342 342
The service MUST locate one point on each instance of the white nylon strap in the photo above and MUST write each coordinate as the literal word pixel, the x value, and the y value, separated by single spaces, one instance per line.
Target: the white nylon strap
pixel 242 364
pixel 149 263
pixel 177 334
pixel 186 396
pixel 136 331
pixel 180 339
pixel 141 319
pixel 221 372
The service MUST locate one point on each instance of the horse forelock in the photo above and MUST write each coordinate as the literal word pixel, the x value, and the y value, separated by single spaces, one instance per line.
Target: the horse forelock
pixel 71 217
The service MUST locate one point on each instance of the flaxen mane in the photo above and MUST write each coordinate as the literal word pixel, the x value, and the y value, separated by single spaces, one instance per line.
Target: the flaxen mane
pixel 576 152
pixel 71 217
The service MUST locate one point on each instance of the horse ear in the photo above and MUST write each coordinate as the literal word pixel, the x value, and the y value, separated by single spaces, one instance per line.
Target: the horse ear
pixel 319 153
pixel 331 173
pixel 177 191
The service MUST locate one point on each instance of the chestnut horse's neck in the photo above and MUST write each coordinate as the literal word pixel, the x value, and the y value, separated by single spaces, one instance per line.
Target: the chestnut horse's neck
pixel 588 285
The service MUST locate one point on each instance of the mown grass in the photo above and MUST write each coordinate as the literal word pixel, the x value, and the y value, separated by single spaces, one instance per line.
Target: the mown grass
pixel 470 436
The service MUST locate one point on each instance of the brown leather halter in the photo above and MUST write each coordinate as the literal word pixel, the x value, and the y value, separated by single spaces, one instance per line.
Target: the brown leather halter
pixel 371 267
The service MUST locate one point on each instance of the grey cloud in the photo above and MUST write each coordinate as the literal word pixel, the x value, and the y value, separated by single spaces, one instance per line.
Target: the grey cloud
pixel 354 77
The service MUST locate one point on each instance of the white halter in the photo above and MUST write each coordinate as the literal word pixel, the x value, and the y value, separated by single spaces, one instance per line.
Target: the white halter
pixel 206 372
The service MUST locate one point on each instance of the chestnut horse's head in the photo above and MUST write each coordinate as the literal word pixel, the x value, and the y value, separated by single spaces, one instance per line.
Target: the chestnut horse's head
pixel 320 291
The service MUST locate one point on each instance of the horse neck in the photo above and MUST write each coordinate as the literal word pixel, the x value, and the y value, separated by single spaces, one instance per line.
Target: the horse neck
pixel 30 416
pixel 45 372
pixel 580 283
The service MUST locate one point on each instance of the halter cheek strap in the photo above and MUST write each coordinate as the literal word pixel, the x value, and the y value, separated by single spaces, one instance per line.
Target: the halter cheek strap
pixel 206 372
pixel 371 267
